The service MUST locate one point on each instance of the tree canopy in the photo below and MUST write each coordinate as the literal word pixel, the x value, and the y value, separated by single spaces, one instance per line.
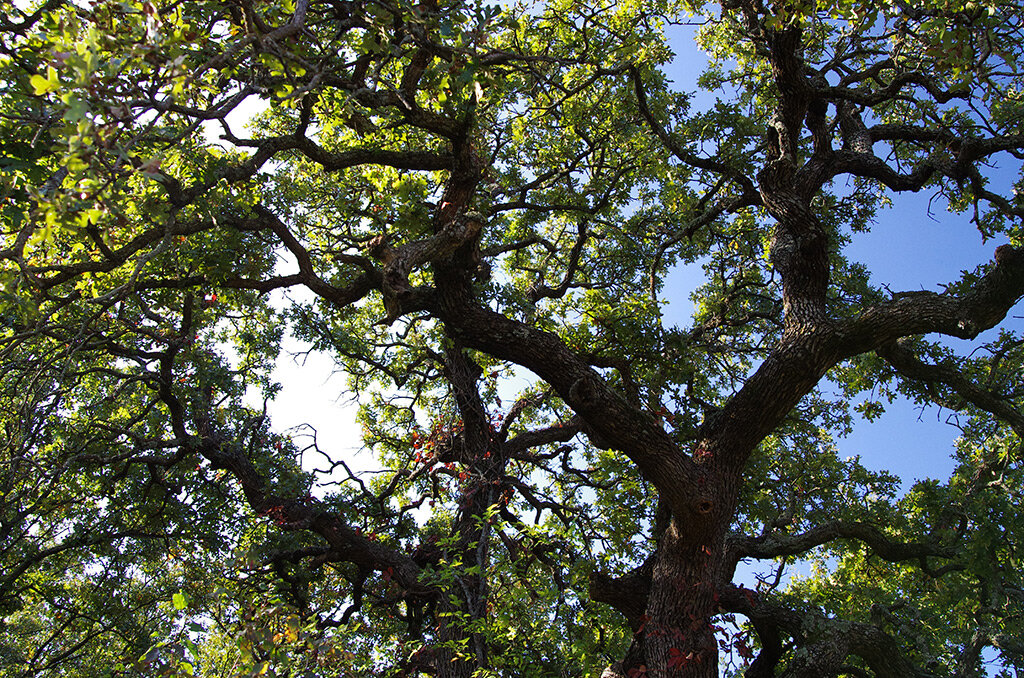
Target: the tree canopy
pixel 475 210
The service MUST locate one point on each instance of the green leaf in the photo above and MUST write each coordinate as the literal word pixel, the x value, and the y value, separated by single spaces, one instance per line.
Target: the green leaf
pixel 45 85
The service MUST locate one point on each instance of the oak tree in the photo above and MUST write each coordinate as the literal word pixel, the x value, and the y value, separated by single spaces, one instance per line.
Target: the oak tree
pixel 477 212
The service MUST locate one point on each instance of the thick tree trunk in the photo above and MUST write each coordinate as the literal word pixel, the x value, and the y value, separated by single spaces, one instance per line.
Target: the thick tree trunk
pixel 678 639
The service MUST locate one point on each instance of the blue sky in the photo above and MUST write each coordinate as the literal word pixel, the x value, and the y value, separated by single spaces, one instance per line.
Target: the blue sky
pixel 908 249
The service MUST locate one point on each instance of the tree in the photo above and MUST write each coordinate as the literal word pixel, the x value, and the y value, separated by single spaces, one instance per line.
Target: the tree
pixel 466 194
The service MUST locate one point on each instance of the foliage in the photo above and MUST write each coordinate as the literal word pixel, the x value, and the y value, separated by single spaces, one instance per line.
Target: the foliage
pixel 478 211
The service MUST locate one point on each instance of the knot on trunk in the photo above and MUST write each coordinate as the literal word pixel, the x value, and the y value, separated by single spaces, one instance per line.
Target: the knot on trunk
pixel 584 391
pixel 1007 254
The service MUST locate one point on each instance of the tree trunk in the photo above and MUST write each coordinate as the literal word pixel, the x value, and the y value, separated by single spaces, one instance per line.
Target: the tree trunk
pixel 677 638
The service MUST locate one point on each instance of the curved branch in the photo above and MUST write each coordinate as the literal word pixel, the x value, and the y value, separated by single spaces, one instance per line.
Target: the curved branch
pixel 857 160
pixel 964 315
pixel 885 547
pixel 909 365
pixel 891 90
pixel 605 412
pixel 371 279
pixel 558 433
pixel 709 164
pixel 828 641
pixel 628 594
pixel 352 157
pixel 289 513
pixel 803 356
pixel 541 291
